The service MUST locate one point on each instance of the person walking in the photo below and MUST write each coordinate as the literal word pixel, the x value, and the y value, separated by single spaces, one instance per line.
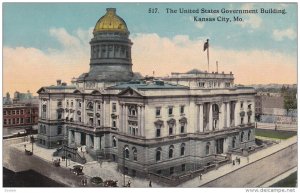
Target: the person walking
pixel 200 177
pixel 150 184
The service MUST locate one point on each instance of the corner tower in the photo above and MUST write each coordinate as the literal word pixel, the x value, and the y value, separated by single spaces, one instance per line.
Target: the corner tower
pixel 110 50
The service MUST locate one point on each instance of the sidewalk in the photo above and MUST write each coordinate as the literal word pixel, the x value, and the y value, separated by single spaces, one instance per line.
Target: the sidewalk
pixel 223 170
pixel 108 170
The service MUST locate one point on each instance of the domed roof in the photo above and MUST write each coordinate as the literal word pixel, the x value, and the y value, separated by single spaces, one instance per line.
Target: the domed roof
pixel 111 22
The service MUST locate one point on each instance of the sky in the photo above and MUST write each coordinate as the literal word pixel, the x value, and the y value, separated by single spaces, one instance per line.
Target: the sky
pixel 43 42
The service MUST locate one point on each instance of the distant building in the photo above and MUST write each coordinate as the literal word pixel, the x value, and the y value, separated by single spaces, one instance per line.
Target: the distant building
pixel 7 100
pixel 22 111
pixel 20 115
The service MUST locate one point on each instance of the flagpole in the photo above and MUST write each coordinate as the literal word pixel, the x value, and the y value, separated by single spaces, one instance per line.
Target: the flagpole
pixel 208 59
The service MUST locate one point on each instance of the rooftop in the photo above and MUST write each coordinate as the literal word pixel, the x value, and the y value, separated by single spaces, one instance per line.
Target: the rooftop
pixel 142 84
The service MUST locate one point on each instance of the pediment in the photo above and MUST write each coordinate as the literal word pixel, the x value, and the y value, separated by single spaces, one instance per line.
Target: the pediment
pixel 96 92
pixel 130 92
pixel 42 90
pixel 77 91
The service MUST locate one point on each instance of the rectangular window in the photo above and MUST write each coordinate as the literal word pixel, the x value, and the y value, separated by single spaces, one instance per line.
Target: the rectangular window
pixel 17 112
pixel 114 123
pixel 114 107
pixel 171 170
pixel 4 112
pixel 8 112
pixel 22 120
pixel 59 130
pixel 183 167
pixel 13 112
pixel 158 172
pixel 9 122
pixel 5 122
pixel 71 103
pixel 18 120
pixel 98 122
pixel 242 104
pixel 28 120
pixel 79 104
pixel 79 119
pixel 242 120
pixel 201 84
pixel 170 110
pixel 99 107
pixel 14 121
pixel 181 109
pixel 157 113
pixel 22 112
pixel 182 129
pixel 170 130
pixel 158 132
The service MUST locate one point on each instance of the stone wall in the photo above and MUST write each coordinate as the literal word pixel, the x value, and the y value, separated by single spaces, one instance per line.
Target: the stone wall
pixel 260 171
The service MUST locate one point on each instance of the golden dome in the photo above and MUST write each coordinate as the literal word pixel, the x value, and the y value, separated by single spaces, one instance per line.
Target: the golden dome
pixel 111 22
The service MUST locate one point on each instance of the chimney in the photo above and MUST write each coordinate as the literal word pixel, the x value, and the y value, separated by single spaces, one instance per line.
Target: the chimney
pixel 64 84
pixel 58 82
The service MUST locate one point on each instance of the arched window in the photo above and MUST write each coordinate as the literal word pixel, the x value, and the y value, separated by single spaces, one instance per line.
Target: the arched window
pixel 126 153
pixel 114 142
pixel 249 135
pixel 182 149
pixel 207 147
pixel 90 106
pixel 233 142
pixel 158 154
pixel 44 111
pixel 171 150
pixel 134 154
pixel 242 136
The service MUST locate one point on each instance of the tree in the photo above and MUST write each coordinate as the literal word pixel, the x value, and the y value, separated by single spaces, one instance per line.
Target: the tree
pixel 290 99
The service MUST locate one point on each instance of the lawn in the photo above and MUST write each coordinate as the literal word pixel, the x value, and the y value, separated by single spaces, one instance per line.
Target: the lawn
pixel 275 134
pixel 289 181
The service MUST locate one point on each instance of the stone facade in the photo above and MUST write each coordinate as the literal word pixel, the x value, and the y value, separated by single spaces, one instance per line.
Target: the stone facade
pixel 148 125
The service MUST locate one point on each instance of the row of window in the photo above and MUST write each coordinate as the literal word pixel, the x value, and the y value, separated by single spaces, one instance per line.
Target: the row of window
pixel 17 121
pixel 171 130
pixel 18 112
pixel 158 156
pixel 170 110
pixel 212 84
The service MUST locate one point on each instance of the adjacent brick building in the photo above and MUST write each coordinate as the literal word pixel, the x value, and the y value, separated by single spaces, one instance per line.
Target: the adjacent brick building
pixel 19 115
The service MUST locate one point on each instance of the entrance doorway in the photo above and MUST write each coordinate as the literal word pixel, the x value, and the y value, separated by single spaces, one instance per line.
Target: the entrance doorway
pixel 83 139
pixel 219 146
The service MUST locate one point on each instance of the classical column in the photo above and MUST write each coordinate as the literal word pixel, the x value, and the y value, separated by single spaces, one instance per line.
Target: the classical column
pixel 210 118
pixel 96 143
pixel 222 116
pixel 69 137
pixel 143 121
pixel 139 119
pixel 104 114
pixel 87 140
pixel 121 118
pixel 252 119
pixel 228 114
pixel 237 114
pixel 77 138
pixel 126 119
pixel 201 118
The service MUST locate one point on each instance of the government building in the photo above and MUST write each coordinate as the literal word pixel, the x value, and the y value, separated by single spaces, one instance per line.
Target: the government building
pixel 165 126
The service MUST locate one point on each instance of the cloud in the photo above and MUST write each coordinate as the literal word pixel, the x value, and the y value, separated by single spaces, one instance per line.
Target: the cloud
pixel 30 68
pixel 279 35
pixel 252 21
pixel 165 55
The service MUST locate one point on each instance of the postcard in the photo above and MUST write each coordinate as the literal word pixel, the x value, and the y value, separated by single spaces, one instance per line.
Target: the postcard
pixel 150 95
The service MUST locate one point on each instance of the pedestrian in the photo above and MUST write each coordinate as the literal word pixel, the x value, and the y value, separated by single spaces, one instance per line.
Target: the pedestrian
pixel 128 183
pixel 248 159
pixel 100 163
pixel 200 177
pixel 233 162
pixel 150 184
